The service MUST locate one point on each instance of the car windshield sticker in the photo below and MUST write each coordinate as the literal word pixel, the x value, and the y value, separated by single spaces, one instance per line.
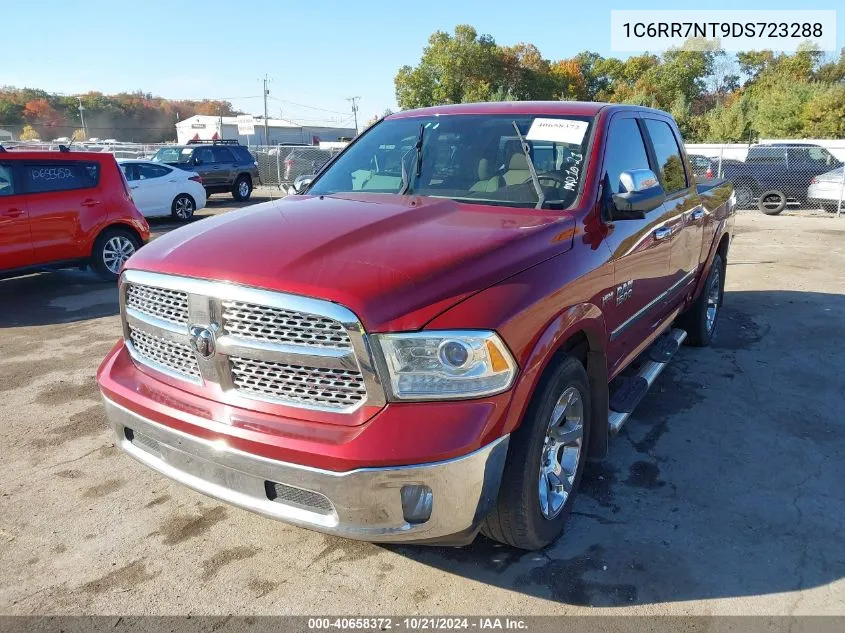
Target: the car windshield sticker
pixel 557 130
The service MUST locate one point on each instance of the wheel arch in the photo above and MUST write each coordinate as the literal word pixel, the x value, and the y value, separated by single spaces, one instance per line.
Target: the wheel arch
pixel 124 226
pixel 580 332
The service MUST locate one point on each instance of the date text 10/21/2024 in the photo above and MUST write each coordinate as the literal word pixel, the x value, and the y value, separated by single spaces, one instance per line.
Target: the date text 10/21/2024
pixel 417 623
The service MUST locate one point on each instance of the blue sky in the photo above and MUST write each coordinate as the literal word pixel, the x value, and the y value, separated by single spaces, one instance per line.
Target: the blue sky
pixel 316 53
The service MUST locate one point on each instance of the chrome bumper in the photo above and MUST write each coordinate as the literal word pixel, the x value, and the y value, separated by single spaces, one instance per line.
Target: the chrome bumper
pixel 364 504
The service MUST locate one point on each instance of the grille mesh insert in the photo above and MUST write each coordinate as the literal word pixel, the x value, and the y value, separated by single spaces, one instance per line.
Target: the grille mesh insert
pixel 169 305
pixel 315 386
pixel 263 323
pixel 175 356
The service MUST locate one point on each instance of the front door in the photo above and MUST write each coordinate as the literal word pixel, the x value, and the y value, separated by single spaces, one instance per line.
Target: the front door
pixel 685 216
pixel 64 201
pixel 640 249
pixel 15 237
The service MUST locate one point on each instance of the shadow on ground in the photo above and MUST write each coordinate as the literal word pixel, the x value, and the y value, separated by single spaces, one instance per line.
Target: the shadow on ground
pixel 727 481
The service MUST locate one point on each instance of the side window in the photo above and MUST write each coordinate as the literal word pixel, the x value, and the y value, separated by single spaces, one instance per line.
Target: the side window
pixel 203 156
pixel 671 167
pixel 625 151
pixel 7 181
pixel 146 172
pixel 128 170
pixel 64 176
pixel 242 154
pixel 222 155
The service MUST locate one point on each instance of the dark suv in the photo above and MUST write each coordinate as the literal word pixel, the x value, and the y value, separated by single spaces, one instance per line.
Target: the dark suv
pixel 225 166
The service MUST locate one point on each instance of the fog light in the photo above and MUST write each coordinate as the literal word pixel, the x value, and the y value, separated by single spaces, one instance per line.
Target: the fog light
pixel 416 503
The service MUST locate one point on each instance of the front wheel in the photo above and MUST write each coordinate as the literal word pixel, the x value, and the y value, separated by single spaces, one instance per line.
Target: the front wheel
pixel 112 248
pixel 744 195
pixel 545 462
pixel 242 189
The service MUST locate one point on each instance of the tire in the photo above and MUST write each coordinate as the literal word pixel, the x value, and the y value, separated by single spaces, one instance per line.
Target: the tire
pixel 518 518
pixel 111 249
pixel 242 189
pixel 701 318
pixel 744 195
pixel 183 207
pixel 772 202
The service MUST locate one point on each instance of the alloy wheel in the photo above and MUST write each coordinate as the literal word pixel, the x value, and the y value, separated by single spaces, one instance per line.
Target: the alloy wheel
pixel 561 452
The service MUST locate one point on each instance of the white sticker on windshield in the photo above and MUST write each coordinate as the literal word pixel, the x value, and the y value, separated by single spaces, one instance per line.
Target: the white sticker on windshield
pixel 557 130
pixel 186 150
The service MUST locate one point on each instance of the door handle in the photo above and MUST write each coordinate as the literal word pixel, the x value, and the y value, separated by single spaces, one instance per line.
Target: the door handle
pixel 90 202
pixel 697 214
pixel 662 233
pixel 13 212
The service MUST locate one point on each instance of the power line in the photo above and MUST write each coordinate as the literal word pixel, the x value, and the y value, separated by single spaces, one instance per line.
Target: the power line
pixel 302 105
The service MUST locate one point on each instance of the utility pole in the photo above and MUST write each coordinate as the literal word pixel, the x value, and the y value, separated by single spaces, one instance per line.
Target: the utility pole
pixel 354 101
pixel 266 92
pixel 82 118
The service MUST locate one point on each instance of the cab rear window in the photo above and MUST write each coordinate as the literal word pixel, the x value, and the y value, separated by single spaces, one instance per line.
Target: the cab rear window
pixel 60 176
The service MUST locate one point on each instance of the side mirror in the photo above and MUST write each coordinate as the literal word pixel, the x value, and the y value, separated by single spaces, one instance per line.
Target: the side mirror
pixel 196 160
pixel 302 183
pixel 642 193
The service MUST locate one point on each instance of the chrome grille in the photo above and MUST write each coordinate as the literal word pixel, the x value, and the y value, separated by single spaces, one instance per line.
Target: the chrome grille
pixel 265 323
pixel 178 357
pixel 268 346
pixel 169 305
pixel 329 388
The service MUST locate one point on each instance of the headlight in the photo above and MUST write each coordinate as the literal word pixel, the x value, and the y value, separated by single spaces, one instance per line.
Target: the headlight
pixel 445 365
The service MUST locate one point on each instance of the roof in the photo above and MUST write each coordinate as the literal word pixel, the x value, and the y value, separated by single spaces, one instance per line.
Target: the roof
pixel 259 122
pixel 53 155
pixel 572 108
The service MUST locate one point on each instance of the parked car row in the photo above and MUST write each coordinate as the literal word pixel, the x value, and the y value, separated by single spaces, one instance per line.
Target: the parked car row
pixel 778 175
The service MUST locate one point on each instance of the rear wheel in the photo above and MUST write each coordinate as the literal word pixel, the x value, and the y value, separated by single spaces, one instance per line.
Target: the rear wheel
pixel 545 462
pixel 772 202
pixel 242 189
pixel 700 320
pixel 111 249
pixel 183 207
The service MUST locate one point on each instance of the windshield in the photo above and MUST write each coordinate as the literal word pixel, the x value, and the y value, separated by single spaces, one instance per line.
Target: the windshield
pixel 471 158
pixel 173 155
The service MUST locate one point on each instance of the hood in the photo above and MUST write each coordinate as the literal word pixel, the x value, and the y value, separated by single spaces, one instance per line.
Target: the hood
pixel 396 261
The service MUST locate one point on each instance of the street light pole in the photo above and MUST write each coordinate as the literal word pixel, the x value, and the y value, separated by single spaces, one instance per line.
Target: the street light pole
pixel 354 101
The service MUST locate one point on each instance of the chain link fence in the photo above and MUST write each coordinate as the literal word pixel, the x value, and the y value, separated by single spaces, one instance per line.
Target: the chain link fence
pixel 777 175
pixel 771 176
pixel 278 165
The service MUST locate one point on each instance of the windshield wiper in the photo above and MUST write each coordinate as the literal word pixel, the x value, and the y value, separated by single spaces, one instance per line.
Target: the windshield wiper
pixel 541 197
pixel 406 182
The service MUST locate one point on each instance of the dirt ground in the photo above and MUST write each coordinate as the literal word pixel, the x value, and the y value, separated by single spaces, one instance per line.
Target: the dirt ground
pixel 722 495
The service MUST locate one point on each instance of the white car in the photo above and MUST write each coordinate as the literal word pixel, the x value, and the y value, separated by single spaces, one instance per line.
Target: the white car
pixel 163 190
pixel 826 190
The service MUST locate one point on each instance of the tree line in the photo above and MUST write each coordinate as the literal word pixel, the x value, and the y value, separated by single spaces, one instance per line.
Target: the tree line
pixel 714 96
pixel 135 116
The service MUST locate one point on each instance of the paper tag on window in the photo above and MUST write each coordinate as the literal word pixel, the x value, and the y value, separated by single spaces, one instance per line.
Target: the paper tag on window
pixel 558 131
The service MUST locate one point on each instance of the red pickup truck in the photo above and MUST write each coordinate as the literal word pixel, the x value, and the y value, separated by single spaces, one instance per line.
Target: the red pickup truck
pixel 436 336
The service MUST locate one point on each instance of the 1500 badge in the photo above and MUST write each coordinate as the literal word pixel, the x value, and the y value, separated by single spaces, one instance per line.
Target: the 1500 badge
pixel 624 292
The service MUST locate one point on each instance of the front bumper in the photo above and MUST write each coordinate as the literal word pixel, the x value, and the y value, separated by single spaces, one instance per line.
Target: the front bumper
pixel 364 504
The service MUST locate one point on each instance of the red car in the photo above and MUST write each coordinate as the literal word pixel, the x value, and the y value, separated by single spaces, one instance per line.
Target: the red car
pixel 66 209
pixel 435 336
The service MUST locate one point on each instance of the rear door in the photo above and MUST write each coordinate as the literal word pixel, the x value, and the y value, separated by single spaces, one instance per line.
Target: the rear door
pixel 64 202
pixel 640 249
pixel 15 238
pixel 684 214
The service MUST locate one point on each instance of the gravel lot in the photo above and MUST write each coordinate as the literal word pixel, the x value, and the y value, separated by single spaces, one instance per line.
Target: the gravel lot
pixel 723 494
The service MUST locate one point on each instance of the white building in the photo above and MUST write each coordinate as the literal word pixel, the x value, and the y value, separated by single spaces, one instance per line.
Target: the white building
pixel 279 131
